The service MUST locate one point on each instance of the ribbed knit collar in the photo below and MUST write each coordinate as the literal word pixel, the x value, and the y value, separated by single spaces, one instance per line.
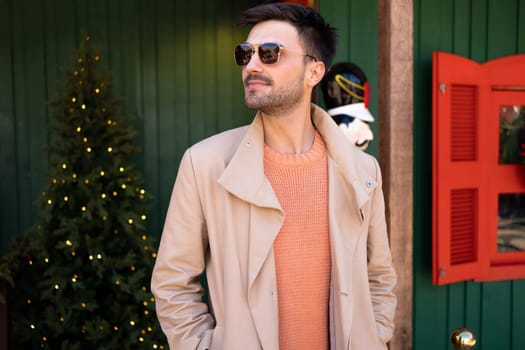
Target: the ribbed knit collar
pixel 316 152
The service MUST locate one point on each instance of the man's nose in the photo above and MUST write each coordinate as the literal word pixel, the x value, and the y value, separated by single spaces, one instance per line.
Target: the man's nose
pixel 254 64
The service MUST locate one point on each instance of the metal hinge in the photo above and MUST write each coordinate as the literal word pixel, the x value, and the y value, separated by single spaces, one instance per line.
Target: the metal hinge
pixel 442 272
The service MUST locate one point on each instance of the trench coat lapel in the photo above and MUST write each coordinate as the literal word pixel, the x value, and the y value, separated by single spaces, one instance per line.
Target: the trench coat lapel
pixel 244 177
pixel 348 193
pixel 340 152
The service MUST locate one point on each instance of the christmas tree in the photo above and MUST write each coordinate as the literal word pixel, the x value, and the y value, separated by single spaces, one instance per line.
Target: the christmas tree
pixel 88 262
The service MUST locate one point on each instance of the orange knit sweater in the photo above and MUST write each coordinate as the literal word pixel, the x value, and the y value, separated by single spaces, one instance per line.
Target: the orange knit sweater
pixel 302 247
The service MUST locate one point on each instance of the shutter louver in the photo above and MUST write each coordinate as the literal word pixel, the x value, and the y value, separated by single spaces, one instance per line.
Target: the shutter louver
pixel 463 226
pixel 463 124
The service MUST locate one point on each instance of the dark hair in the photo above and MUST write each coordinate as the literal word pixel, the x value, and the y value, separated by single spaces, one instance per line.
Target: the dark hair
pixel 318 37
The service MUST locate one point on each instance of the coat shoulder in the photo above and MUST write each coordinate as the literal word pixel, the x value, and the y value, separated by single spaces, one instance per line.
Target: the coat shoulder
pixel 367 162
pixel 220 146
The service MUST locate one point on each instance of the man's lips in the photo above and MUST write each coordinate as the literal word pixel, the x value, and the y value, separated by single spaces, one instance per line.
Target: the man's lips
pixel 253 81
pixel 254 84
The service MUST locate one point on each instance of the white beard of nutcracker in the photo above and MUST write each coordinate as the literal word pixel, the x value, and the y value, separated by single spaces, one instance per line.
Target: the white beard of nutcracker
pixel 346 93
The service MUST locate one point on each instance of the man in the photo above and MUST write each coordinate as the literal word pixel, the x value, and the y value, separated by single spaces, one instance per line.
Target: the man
pixel 284 215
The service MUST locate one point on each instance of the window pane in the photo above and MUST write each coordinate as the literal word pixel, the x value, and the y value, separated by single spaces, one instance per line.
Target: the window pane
pixel 511 222
pixel 512 134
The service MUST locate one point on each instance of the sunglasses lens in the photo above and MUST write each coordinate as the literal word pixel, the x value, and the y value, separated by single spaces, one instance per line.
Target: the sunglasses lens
pixel 269 53
pixel 243 53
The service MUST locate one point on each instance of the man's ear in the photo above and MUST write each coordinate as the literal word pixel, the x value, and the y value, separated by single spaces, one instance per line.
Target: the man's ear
pixel 315 73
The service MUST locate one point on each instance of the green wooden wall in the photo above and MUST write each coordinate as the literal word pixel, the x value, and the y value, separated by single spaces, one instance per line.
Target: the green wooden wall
pixel 173 64
pixel 495 311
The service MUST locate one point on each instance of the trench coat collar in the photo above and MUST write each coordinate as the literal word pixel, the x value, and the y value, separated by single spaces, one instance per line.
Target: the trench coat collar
pixel 244 176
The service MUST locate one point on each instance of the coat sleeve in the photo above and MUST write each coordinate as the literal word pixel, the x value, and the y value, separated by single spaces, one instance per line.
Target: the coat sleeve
pixel 175 283
pixel 381 274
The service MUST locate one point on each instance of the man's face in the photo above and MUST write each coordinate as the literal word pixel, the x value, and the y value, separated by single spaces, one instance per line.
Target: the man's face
pixel 279 87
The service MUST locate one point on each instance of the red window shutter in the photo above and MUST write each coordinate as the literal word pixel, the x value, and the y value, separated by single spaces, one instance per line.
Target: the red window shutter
pixel 459 98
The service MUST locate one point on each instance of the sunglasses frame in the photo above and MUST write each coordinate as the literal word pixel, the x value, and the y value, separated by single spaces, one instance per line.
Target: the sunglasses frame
pixel 263 57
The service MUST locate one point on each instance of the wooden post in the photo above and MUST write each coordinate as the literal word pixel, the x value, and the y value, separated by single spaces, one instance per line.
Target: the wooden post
pixel 395 150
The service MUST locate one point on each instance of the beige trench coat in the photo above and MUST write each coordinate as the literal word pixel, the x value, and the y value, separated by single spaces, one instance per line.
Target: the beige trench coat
pixel 224 216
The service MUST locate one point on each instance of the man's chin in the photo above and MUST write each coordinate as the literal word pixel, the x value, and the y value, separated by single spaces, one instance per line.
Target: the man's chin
pixel 251 104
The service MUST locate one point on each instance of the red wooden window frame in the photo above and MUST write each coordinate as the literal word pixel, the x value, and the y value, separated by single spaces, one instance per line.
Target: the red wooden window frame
pixel 466 175
pixel 311 3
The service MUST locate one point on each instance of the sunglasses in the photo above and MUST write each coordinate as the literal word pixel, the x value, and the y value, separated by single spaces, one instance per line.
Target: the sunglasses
pixel 269 53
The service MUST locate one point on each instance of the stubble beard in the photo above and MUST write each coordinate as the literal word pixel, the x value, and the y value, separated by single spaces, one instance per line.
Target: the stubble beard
pixel 276 102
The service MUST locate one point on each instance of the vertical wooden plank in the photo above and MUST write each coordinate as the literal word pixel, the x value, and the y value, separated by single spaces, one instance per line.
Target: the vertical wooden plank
pixel 51 49
pixel 173 90
pixel 29 104
pixel 182 37
pixel 445 11
pixel 61 45
pixel 199 70
pixel 37 102
pixel 116 54
pixel 461 44
pixel 81 9
pixel 473 295
pixel 148 107
pixel 396 152
pixel 478 30
pixel 20 114
pixel 97 24
pixel 67 36
pixel 430 329
pixel 456 306
pixel 518 315
pixel 8 153
pixel 210 79
pixel 496 324
pixel 227 73
pixel 521 26
pixel 129 78
pixel 502 29
pixel 61 36
pixel 123 40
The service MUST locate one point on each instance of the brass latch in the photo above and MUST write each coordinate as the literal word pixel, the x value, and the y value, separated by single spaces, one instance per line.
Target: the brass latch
pixel 463 339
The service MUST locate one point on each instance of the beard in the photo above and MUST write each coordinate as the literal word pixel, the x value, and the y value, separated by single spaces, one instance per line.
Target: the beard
pixel 279 100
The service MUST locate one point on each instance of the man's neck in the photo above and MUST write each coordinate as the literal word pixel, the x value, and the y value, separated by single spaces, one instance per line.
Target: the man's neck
pixel 293 133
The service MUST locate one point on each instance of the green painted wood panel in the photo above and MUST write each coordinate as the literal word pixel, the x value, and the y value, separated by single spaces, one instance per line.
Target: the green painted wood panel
pixel 481 30
pixel 9 182
pixel 173 65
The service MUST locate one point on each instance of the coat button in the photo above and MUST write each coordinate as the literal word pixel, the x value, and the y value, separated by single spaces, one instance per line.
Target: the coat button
pixel 248 144
pixel 369 184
